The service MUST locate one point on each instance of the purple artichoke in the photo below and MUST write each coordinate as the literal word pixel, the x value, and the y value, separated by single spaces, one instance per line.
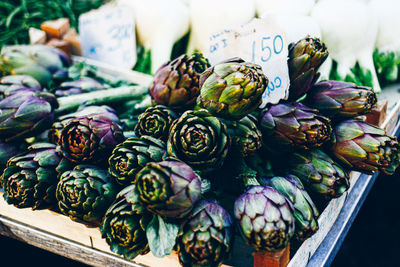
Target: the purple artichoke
pixel 15 83
pixel 168 188
pixel 83 85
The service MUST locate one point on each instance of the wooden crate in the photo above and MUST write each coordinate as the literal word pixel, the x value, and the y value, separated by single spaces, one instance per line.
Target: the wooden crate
pixel 58 234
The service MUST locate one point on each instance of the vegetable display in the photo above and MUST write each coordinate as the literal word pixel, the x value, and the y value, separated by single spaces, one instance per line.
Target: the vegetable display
pixel 190 163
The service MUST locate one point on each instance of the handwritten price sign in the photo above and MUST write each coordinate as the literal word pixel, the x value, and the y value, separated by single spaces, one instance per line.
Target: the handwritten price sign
pixel 108 35
pixel 263 42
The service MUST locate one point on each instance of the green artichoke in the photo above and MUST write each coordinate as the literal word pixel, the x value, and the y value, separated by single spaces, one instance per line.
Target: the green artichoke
pixel 337 99
pixel 124 224
pixel 305 58
pixel 38 61
pixel 319 172
pixel 246 137
pixel 199 139
pixel 90 139
pixel 265 218
pixel 83 85
pixel 364 147
pixel 85 193
pixel 54 133
pixel 232 89
pixel 176 83
pixel 289 126
pixel 14 83
pixel 25 114
pixel 305 212
pixel 8 150
pixel 156 122
pixel 205 238
pixel 129 157
pixel 168 188
pixel 30 178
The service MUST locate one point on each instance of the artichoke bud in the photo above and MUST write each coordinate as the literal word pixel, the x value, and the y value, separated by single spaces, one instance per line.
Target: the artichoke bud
pixel 168 188
pixel 205 238
pixel 265 218
pixel 130 156
pixel 83 85
pixel 305 58
pixel 305 212
pixel 338 99
pixel 232 89
pixel 156 122
pixel 176 83
pixel 14 83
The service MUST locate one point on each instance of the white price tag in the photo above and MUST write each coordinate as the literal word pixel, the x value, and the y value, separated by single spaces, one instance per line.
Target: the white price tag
pixel 263 42
pixel 107 34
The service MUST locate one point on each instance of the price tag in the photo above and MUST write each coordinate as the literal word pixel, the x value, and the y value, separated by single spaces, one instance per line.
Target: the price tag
pixel 263 42
pixel 107 34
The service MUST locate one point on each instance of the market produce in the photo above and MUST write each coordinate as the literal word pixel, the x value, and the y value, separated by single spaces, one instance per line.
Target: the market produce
pixel 168 188
pixel 8 150
pixel 305 58
pixel 305 212
pixel 176 83
pixel 232 89
pixel 38 61
pixel 26 113
pixel 55 130
pixel 90 139
pixel 319 172
pixel 199 139
pixel 364 147
pixel 30 178
pixel 124 224
pixel 337 99
pixel 85 193
pixel 14 83
pixel 343 22
pixel 80 86
pixel 289 126
pixel 156 122
pixel 130 156
pixel 265 218
pixel 246 137
pixel 205 238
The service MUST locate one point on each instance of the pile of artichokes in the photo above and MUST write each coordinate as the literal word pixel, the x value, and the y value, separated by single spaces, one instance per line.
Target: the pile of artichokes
pixel 157 176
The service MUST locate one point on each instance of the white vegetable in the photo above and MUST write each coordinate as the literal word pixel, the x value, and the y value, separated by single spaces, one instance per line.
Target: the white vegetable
pixel 211 16
pixel 349 30
pixel 159 25
pixel 301 7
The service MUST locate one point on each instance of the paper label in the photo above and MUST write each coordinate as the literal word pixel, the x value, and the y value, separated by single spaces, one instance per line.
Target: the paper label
pixel 107 34
pixel 262 42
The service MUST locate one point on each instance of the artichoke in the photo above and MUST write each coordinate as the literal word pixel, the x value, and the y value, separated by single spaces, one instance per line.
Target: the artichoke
pixel 305 58
pixel 364 147
pixel 337 99
pixel 8 150
pixel 305 212
pixel 30 178
pixel 319 172
pixel 246 137
pixel 124 224
pixel 83 85
pixel 232 89
pixel 85 193
pixel 286 127
pixel 15 83
pixel 129 157
pixel 55 130
pixel 265 218
pixel 25 114
pixel 199 139
pixel 90 139
pixel 168 188
pixel 38 61
pixel 205 238
pixel 176 83
pixel 156 122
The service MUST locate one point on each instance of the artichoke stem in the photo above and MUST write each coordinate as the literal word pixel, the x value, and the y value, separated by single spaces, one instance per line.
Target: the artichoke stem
pixel 124 93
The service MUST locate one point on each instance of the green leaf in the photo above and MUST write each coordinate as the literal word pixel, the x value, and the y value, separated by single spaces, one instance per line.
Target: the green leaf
pixel 161 236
